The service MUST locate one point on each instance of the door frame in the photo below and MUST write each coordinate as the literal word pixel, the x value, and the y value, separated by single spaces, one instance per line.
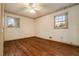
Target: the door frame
pixel 1 28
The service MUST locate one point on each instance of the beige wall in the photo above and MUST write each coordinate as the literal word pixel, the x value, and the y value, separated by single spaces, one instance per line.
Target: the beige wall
pixel 45 27
pixel 26 28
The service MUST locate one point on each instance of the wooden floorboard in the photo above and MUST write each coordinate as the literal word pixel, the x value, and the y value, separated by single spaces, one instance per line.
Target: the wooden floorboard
pixel 38 47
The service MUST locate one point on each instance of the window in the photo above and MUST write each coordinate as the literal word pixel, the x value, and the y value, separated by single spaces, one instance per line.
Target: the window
pixel 13 22
pixel 61 21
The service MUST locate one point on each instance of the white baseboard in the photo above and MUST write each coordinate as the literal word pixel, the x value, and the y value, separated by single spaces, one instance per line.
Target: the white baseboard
pixel 43 38
pixel 19 38
pixel 57 41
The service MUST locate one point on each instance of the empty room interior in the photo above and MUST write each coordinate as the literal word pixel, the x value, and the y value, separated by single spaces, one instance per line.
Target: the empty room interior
pixel 39 29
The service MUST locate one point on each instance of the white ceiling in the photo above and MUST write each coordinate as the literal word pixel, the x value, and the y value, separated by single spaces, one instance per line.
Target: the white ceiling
pixel 45 8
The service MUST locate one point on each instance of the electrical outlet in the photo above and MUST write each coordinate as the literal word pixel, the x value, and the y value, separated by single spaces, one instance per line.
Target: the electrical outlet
pixel 61 37
pixel 70 42
pixel 50 37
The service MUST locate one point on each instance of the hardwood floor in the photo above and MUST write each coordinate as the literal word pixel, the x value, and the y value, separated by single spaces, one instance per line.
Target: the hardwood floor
pixel 38 47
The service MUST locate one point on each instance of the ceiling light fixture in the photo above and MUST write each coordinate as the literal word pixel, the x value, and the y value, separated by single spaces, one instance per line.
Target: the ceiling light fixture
pixel 32 11
pixel 31 7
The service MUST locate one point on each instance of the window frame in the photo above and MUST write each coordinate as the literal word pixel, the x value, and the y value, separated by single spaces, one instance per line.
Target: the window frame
pixel 66 21
pixel 17 25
